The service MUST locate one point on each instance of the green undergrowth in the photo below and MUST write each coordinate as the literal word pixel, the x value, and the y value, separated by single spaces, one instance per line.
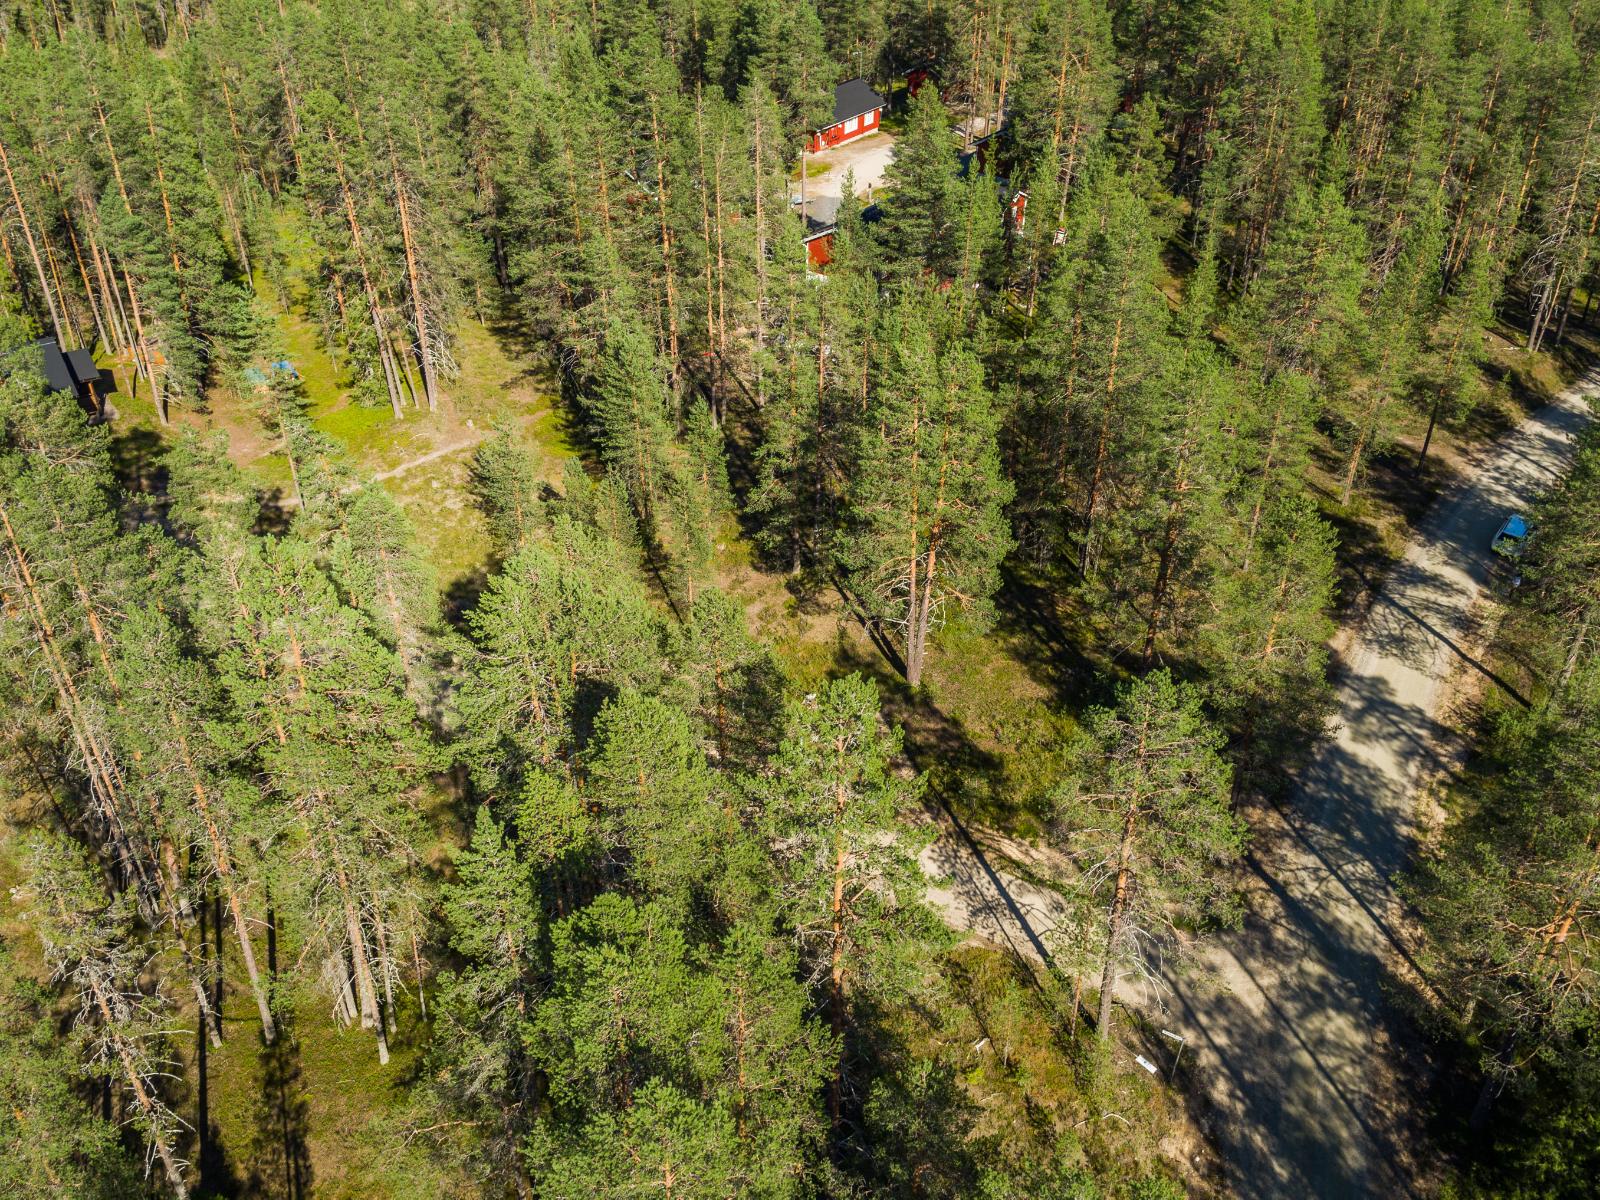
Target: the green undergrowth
pixel 314 1114
pixel 1037 1083
pixel 424 456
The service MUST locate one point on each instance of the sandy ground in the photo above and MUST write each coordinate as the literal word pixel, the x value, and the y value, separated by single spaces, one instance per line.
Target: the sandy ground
pixel 868 157
pixel 1291 1017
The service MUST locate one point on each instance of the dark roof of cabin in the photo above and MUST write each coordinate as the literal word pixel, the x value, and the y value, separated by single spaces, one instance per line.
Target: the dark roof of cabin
pixel 81 364
pixel 852 98
pixel 63 371
pixel 56 371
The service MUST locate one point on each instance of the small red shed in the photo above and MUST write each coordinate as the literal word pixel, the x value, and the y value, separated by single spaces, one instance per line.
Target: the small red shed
pixel 856 111
pixel 918 76
pixel 1019 209
pixel 819 247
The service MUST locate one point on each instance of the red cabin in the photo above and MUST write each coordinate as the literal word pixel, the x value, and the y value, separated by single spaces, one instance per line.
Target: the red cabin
pixel 819 248
pixel 856 111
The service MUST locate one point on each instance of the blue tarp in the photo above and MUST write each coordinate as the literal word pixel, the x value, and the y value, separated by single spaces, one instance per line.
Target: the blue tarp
pixel 1516 527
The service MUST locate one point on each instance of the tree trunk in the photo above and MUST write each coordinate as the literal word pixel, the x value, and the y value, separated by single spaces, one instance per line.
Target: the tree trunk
pixel 144 350
pixel 1114 919
pixel 1427 438
pixel 1101 443
pixel 142 1095
pixel 385 969
pixel 88 287
pixel 374 306
pixel 111 297
pixel 761 271
pixel 33 248
pixel 1575 650
pixel 836 970
pixel 424 350
pixel 222 860
pixel 705 231
pixel 1356 451
pixel 666 248
pixel 61 295
pixel 1158 596
pixel 1493 1085
pixel 161 186
pixel 104 781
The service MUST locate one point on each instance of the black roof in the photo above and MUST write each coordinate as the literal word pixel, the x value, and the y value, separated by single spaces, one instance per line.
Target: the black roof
pixel 852 98
pixel 56 372
pixel 64 371
pixel 81 364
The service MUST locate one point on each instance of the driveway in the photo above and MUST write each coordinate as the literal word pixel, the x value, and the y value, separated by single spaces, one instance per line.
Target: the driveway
pixel 1296 1046
pixel 868 157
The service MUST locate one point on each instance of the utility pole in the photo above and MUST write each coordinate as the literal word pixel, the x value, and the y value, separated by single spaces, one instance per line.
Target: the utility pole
pixel 804 220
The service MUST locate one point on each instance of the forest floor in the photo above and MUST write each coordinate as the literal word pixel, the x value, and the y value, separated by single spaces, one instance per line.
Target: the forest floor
pixel 988 725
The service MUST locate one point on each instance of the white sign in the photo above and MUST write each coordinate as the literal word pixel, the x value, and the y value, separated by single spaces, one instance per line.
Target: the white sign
pixel 1145 1063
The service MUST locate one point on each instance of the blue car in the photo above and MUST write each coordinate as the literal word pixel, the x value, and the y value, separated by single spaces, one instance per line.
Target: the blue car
pixel 1512 537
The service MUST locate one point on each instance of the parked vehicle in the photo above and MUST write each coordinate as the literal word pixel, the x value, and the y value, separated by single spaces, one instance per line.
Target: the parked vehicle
pixel 1512 537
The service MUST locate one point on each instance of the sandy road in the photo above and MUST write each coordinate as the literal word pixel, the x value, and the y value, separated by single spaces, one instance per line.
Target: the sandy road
pixel 1292 1044
pixel 1290 1023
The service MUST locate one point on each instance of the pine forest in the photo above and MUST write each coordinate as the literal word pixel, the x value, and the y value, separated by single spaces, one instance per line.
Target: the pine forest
pixel 790 599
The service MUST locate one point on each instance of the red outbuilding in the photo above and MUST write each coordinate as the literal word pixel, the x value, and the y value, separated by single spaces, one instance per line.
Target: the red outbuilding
pixel 819 248
pixel 856 111
pixel 1019 208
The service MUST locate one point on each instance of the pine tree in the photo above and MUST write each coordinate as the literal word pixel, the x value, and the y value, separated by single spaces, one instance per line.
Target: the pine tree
pixel 88 944
pixel 1303 314
pixel 505 485
pixel 726 680
pixel 1453 346
pixel 633 426
pixel 51 1142
pixel 781 47
pixel 338 744
pixel 177 730
pixel 921 227
pixel 655 794
pixel 375 562
pixel 558 623
pixel 481 1069
pixel 1147 815
pixel 1162 536
pixel 1263 120
pixel 924 531
pixel 1391 345
pixel 1563 564
pixel 1095 362
pixel 1064 91
pixel 849 881
pixel 1267 648
pixel 1509 897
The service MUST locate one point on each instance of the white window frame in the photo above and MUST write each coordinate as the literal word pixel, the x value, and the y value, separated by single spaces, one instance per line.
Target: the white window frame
pixel 851 126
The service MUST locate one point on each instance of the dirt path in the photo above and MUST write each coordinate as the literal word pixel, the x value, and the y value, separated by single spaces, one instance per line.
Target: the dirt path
pixel 1291 1022
pixel 431 456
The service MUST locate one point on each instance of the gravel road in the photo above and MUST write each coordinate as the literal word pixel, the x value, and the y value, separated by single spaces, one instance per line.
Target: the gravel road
pixel 1290 1022
pixel 1294 1045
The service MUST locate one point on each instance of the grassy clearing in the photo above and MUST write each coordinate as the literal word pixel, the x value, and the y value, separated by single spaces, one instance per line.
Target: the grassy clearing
pixel 310 1115
pixel 813 169
pixel 423 457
